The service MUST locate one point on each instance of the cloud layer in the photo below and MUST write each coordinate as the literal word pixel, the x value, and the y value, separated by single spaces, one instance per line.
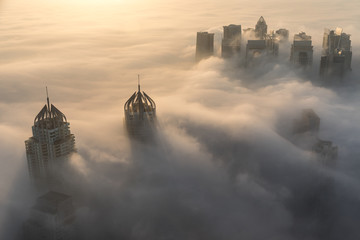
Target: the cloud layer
pixel 222 166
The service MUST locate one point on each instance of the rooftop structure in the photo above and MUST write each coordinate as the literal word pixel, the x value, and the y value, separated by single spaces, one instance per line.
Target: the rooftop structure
pixel 231 43
pixel 283 34
pixel 50 218
pixel 261 28
pixel 140 115
pixel 249 33
pixel 336 56
pixel 302 50
pixel 50 146
pixel 204 45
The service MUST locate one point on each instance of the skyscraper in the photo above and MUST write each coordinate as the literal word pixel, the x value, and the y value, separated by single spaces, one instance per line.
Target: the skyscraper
pixel 204 45
pixel 231 43
pixel 302 50
pixel 261 28
pixel 140 116
pixel 50 218
pixel 337 54
pixel 50 146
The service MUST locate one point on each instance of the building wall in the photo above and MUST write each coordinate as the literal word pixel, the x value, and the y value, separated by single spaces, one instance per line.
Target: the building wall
pixel 204 45
pixel 47 150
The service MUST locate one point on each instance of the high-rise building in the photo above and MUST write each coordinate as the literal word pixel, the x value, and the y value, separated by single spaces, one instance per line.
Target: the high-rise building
pixel 50 218
pixel 257 48
pixel 140 116
pixel 302 50
pixel 50 146
pixel 204 45
pixel 231 43
pixel 261 28
pixel 336 56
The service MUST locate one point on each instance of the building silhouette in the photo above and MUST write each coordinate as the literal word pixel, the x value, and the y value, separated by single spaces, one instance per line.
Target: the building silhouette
pixel 336 56
pixel 306 129
pixel 261 28
pixel 256 49
pixel 140 116
pixel 283 34
pixel 231 43
pixel 50 146
pixel 302 50
pixel 204 45
pixel 309 122
pixel 50 218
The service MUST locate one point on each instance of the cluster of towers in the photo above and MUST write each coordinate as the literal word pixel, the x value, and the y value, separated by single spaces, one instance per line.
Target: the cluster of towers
pixel 335 59
pixel 50 149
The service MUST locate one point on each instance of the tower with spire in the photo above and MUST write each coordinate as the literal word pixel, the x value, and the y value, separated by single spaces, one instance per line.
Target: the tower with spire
pixel 50 146
pixel 261 28
pixel 140 115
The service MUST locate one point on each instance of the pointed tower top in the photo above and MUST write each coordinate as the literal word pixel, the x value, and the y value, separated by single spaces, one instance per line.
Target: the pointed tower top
pixel 138 82
pixel 47 98
pixel 261 20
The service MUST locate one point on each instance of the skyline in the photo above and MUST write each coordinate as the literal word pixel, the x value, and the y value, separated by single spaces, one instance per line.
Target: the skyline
pixel 210 114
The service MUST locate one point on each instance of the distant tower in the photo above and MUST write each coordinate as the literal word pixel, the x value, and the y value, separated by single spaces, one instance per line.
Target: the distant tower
pixel 306 131
pixel 337 54
pixel 261 28
pixel 309 122
pixel 256 49
pixel 302 50
pixel 140 116
pixel 204 45
pixel 50 218
pixel 50 146
pixel 231 43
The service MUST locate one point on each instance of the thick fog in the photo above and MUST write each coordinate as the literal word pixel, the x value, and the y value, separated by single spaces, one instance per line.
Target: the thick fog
pixel 222 165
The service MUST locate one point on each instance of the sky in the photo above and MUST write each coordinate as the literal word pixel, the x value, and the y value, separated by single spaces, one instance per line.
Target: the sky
pixel 223 166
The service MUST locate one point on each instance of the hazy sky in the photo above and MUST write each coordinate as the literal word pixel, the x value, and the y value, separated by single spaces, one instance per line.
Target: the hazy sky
pixel 220 126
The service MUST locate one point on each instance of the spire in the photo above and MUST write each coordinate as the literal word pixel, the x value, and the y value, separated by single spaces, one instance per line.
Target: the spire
pixel 47 98
pixel 139 82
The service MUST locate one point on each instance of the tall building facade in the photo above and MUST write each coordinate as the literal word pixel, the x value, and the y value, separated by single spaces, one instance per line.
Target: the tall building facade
pixel 140 116
pixel 204 45
pixel 255 49
pixel 50 218
pixel 231 43
pixel 261 28
pixel 302 50
pixel 50 146
pixel 336 56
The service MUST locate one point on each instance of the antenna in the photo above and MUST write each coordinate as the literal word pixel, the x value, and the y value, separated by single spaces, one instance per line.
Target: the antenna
pixel 139 82
pixel 339 31
pixel 47 98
